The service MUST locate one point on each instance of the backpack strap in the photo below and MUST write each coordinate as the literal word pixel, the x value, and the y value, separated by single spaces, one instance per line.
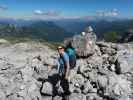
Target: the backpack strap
pixel 62 57
pixel 61 69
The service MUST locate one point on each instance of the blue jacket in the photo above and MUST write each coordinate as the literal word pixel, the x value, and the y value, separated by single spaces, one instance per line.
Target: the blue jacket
pixel 62 61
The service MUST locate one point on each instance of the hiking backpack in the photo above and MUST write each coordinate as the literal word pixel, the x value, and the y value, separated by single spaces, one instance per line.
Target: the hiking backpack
pixel 72 57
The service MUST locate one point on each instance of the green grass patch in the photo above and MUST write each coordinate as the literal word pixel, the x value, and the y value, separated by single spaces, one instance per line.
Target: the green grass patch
pixel 14 40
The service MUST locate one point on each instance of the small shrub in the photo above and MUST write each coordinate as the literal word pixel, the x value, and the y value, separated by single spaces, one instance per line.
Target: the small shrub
pixel 111 36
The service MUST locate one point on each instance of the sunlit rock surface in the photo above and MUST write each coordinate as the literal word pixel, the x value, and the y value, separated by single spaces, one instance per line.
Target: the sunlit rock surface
pixel 103 72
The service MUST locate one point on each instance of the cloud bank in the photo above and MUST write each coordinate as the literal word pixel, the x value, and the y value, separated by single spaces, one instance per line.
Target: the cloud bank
pixel 114 12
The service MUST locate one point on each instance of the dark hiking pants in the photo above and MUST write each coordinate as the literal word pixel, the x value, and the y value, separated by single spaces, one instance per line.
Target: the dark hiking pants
pixel 65 85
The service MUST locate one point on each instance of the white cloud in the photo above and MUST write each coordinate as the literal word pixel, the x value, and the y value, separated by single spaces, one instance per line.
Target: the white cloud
pixel 48 13
pixel 38 12
pixel 114 12
pixel 111 13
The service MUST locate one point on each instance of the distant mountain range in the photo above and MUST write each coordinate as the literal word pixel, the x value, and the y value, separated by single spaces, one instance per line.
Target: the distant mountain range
pixel 57 30
pixel 41 30
pixel 100 27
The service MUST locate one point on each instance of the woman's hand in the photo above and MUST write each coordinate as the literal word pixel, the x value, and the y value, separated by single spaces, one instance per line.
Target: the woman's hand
pixel 66 77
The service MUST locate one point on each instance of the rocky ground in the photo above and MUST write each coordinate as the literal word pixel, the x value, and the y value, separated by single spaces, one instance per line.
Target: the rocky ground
pixel 104 71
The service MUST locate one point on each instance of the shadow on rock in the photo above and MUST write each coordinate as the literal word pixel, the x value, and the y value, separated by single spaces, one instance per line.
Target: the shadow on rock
pixel 49 86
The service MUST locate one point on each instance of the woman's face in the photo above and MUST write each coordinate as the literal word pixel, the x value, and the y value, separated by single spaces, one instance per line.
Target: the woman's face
pixel 61 50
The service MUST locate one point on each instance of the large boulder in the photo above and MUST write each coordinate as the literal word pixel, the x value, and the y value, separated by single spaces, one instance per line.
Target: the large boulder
pixel 47 89
pixel 125 62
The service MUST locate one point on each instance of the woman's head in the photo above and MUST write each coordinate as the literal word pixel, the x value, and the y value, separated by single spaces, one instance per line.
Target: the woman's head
pixel 61 49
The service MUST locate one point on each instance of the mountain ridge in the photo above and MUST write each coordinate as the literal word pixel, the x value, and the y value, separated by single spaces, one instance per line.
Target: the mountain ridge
pixel 49 30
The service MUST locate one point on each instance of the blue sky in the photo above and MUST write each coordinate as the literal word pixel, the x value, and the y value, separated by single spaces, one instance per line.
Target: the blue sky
pixel 65 8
